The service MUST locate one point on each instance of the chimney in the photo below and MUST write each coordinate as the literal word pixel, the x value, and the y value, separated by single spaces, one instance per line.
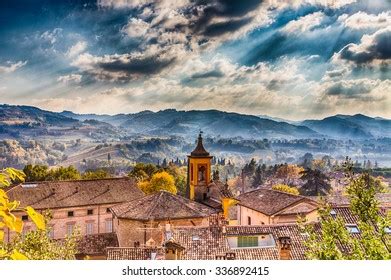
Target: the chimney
pixel 173 250
pixel 284 243
pixel 230 256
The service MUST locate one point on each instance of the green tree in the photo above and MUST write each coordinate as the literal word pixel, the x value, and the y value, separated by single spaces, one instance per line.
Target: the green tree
pixel 37 245
pixel 95 174
pixel 258 177
pixel 35 173
pixel 64 173
pixel 286 188
pixel 142 171
pixel 317 183
pixel 159 181
pixel 333 240
pixel 180 177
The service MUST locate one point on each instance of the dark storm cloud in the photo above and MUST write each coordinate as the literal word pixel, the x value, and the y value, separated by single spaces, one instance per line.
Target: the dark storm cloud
pixel 349 89
pixel 221 9
pixel 135 66
pixel 373 47
pixel 220 28
pixel 209 74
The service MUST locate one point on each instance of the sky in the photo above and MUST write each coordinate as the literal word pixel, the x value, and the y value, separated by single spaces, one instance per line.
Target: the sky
pixel 289 59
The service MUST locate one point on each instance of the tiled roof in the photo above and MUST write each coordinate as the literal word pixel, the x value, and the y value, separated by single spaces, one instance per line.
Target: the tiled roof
pixel 219 190
pixel 205 243
pixel 199 151
pixel 347 215
pixel 161 206
pixel 133 253
pixel 268 201
pixel 340 200
pixel 96 244
pixel 299 208
pixel 62 194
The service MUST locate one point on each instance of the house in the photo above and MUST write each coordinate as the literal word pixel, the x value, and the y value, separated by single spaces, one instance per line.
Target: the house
pixel 267 207
pixel 82 204
pixel 272 242
pixel 138 221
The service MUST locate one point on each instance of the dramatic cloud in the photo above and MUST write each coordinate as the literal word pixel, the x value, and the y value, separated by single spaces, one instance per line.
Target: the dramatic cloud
pixel 127 66
pixel 362 20
pixel 70 79
pixel 304 24
pixel 76 49
pixel 374 48
pixel 292 59
pixel 11 67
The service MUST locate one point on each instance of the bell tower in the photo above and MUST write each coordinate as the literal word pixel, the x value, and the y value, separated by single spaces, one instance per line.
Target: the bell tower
pixel 198 172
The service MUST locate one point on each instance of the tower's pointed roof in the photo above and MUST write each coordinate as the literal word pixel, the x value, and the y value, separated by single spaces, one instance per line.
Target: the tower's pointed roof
pixel 200 151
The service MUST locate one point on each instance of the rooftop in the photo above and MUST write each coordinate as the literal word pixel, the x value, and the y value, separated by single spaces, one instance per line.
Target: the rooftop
pixel 271 202
pixel 199 151
pixel 161 206
pixel 64 194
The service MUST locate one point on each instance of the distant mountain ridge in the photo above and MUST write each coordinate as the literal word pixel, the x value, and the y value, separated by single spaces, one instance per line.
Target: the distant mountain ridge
pixel 356 126
pixel 213 122
pixel 188 123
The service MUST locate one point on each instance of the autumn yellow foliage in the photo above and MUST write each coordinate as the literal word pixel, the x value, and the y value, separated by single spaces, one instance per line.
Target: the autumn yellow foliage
pixel 158 182
pixel 286 188
pixel 7 209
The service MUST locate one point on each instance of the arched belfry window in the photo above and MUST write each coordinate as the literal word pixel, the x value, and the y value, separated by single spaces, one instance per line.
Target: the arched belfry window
pixel 201 174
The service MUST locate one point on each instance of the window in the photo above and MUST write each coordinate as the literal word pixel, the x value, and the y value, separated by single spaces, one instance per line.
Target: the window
pixel 90 228
pixel 249 220
pixel 352 228
pixel 195 238
pixel 70 214
pixel 25 218
pixel 90 212
pixel 109 225
pixel 70 229
pixel 247 241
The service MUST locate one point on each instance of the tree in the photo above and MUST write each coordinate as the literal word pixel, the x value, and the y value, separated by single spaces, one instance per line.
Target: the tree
pixel 286 189
pixel 333 241
pixel 37 245
pixel 35 173
pixel 147 169
pixel 159 181
pixel 307 160
pixel 317 183
pixel 63 173
pixel 249 168
pixel 258 177
pixel 180 177
pixel 289 172
pixel 95 174
pixel 8 220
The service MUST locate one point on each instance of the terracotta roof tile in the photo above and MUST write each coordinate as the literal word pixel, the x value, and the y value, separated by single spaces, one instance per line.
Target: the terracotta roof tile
pixel 62 194
pixel 269 201
pixel 133 253
pixel 161 206
pixel 96 244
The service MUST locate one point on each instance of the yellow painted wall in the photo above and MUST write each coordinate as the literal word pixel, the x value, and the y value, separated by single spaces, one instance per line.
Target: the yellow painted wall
pixel 194 162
